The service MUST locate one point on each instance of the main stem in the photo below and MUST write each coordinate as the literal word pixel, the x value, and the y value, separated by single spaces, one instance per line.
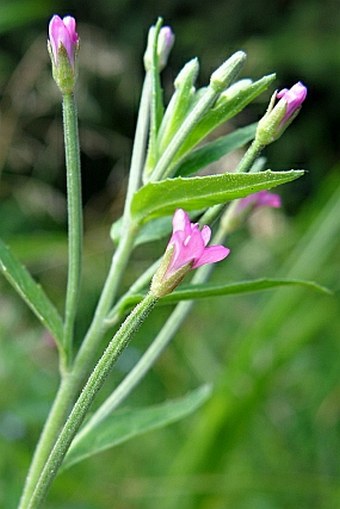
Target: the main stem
pixel 73 379
pixel 82 405
pixel 68 388
pixel 75 219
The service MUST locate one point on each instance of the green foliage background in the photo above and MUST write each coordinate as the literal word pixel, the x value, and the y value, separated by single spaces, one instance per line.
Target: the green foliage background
pixel 270 434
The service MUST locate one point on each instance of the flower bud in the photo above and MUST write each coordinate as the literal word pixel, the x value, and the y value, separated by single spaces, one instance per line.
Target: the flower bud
pixel 227 72
pixel 166 39
pixel 63 46
pixel 278 117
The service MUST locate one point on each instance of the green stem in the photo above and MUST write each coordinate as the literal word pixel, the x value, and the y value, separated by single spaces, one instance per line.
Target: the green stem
pixel 139 145
pixel 85 356
pixel 163 338
pixel 72 381
pixel 249 157
pixel 117 312
pixel 125 246
pixel 82 405
pixel 47 438
pixel 83 362
pixel 65 393
pixel 75 220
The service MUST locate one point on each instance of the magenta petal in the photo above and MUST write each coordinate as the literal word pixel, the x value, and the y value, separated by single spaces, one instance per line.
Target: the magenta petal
pixel 63 32
pixel 56 27
pixel 181 221
pixel 293 97
pixel 192 247
pixel 70 24
pixel 260 199
pixel 267 199
pixel 187 251
pixel 211 254
pixel 206 234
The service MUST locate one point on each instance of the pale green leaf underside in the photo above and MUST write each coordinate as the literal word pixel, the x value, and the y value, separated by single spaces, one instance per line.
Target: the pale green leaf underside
pixel 125 424
pixel 162 198
pixel 31 292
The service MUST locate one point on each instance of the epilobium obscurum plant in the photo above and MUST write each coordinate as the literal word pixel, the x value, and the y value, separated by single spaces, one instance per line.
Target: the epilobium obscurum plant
pixel 169 149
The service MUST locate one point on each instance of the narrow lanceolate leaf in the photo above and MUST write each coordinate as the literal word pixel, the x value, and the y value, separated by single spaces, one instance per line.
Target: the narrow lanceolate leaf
pixel 213 151
pixel 31 292
pixel 204 291
pixel 192 292
pixel 162 198
pixel 120 426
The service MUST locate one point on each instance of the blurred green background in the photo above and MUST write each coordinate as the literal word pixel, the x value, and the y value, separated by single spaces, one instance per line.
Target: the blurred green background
pixel 269 437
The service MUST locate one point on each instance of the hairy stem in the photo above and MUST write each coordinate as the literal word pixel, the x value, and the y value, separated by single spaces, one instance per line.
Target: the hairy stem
pixel 75 219
pixel 91 388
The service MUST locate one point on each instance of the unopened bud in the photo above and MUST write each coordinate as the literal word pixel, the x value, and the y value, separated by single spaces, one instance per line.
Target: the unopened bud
pixel 227 72
pixel 63 45
pixel 166 39
pixel 278 117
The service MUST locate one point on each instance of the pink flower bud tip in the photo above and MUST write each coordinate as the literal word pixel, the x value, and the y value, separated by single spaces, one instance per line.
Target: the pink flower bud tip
pixel 190 244
pixel 62 33
pixel 260 199
pixel 293 98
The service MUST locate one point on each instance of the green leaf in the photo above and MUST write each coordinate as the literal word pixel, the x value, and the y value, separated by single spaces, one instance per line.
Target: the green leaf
pixel 31 292
pixel 120 426
pixel 162 198
pixel 191 292
pixel 213 151
pixel 207 290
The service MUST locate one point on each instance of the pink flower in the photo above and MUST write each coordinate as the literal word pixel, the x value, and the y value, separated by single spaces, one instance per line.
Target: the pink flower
pixel 62 34
pixel 293 98
pixel 260 199
pixel 190 244
pixel 187 249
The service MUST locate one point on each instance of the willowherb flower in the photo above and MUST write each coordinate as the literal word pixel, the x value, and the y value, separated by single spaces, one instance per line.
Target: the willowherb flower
pixel 63 44
pixel 280 115
pixel 187 249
